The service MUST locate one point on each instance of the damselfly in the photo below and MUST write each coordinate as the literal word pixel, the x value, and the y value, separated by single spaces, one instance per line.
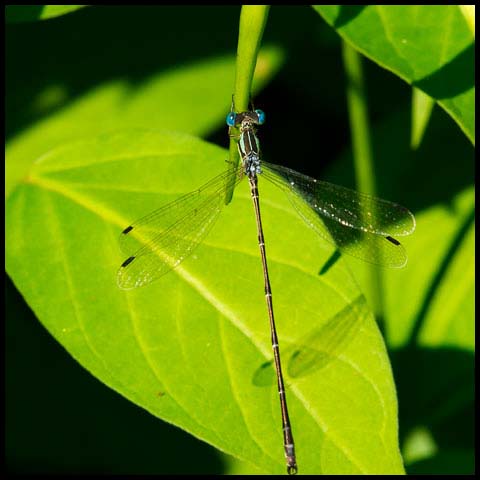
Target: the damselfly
pixel 358 224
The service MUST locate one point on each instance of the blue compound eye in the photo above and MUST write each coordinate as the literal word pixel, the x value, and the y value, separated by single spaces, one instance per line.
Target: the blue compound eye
pixel 261 116
pixel 231 119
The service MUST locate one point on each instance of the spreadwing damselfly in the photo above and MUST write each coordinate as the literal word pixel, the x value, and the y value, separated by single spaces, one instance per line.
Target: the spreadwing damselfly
pixel 357 224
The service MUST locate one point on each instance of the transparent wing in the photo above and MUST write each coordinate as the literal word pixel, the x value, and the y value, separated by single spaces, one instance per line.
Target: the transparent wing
pixel 161 240
pixel 358 224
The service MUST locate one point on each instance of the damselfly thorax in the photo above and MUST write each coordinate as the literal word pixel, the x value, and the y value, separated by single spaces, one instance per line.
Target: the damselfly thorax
pixel 248 144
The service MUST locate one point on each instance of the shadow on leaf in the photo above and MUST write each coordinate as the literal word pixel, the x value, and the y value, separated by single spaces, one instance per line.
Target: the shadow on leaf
pixel 319 347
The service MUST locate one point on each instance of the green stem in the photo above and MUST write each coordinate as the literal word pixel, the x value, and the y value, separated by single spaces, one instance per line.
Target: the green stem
pixel 362 150
pixel 252 23
pixel 359 123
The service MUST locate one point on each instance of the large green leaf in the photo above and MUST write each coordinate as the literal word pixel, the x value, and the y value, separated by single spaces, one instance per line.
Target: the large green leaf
pixel 29 13
pixel 167 100
pixel 429 46
pixel 193 348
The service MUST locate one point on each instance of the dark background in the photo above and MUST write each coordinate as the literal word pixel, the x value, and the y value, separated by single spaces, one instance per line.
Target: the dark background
pixel 60 419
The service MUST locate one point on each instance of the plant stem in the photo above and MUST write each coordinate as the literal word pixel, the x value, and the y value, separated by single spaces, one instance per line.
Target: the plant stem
pixel 252 24
pixel 359 123
pixel 362 150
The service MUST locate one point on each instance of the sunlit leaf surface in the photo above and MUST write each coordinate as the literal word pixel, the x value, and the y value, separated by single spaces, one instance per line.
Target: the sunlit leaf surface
pixel 429 46
pixel 188 347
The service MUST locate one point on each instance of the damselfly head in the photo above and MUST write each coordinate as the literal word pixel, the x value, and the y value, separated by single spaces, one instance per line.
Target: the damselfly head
pixel 246 119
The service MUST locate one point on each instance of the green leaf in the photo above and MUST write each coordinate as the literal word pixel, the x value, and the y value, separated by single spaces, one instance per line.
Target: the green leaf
pixel 186 348
pixel 167 100
pixel 439 280
pixel 429 305
pixel 468 12
pixel 30 13
pixel 436 329
pixel 429 46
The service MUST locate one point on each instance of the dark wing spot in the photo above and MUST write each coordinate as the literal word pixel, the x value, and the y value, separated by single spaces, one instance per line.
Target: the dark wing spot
pixel 127 230
pixel 393 240
pixel 127 261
